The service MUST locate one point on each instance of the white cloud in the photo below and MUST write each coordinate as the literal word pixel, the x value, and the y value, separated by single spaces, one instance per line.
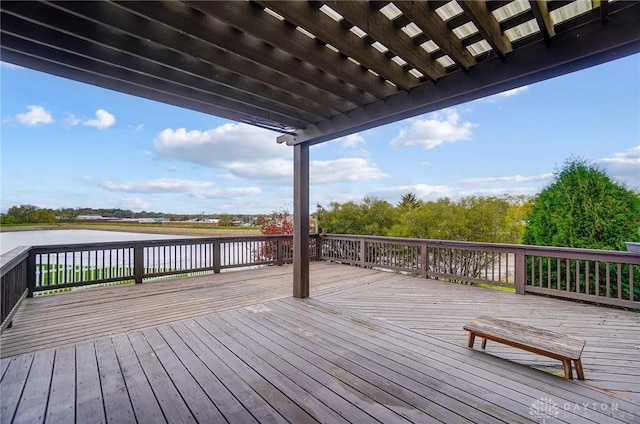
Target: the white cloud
pixel 218 147
pixel 273 171
pixel 139 128
pixel 320 172
pixel 507 179
pixel 434 192
pixel 444 127
pixel 251 153
pixel 37 115
pixel 513 92
pixel 422 191
pixel 199 189
pixel 352 140
pixel 624 166
pixel 102 121
pixel 133 203
pixel 227 193
pixel 172 169
pixel 344 170
pixel 163 185
pixel 426 163
pixel 228 176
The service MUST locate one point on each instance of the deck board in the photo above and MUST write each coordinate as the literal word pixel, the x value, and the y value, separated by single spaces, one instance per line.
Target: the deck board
pixel 89 401
pixel 611 356
pixel 12 384
pixel 50 321
pixel 368 346
pixel 62 403
pixel 117 397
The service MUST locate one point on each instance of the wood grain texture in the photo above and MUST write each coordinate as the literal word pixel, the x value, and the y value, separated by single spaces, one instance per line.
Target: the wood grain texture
pixel 537 339
pixel 367 346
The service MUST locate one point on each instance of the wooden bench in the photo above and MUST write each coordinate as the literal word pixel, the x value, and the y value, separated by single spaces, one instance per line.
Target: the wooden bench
pixel 553 345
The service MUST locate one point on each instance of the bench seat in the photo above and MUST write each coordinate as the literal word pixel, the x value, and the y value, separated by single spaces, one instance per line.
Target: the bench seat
pixel 553 345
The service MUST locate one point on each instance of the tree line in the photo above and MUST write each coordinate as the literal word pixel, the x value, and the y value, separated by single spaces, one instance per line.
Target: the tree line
pixel 582 207
pixel 492 219
pixel 31 214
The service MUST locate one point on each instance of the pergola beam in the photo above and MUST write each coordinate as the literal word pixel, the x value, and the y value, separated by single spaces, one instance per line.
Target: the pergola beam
pixel 487 24
pixel 436 29
pixel 303 14
pixel 572 50
pixel 541 13
pixel 214 32
pixel 208 90
pixel 376 25
pixel 251 19
pixel 128 87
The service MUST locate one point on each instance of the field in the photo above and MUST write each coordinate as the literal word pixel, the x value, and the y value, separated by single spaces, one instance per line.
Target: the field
pixel 180 230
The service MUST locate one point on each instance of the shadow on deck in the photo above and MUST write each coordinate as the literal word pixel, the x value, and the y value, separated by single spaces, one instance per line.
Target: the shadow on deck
pixel 368 346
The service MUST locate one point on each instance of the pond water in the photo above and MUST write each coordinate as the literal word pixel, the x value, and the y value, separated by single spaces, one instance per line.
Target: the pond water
pixel 9 240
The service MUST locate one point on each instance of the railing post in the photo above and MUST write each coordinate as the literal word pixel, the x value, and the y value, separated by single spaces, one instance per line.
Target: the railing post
pixel 217 260
pixel 318 247
pixel 279 252
pixel 363 253
pixel 520 271
pixel 138 263
pixel 424 260
pixel 31 273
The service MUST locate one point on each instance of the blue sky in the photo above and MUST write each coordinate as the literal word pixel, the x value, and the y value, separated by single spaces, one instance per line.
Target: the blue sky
pixel 67 144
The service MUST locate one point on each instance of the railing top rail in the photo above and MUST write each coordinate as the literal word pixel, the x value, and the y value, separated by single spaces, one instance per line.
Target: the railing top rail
pixel 9 260
pixel 570 252
pixel 150 243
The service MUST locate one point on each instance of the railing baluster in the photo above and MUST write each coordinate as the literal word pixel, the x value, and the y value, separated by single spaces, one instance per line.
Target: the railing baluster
pixel 631 282
pixel 551 271
pixel 619 269
pixel 597 278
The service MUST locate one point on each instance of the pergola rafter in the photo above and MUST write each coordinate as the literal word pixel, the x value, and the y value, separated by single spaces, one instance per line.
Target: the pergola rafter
pixel 315 70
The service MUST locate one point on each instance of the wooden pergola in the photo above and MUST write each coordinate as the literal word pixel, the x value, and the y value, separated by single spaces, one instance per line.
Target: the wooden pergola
pixel 316 70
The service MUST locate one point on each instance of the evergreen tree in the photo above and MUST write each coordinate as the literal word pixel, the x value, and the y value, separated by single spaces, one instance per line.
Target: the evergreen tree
pixel 583 207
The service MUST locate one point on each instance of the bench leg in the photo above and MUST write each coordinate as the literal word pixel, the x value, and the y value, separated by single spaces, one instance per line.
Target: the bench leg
pixel 568 373
pixel 484 343
pixel 579 370
pixel 472 339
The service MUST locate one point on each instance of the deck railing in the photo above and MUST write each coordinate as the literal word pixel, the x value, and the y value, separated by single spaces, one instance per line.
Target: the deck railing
pixel 601 276
pixel 36 269
pixel 64 266
pixel 13 283
pixel 604 277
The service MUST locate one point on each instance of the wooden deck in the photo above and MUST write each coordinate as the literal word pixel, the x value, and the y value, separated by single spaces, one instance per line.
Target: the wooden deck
pixel 368 346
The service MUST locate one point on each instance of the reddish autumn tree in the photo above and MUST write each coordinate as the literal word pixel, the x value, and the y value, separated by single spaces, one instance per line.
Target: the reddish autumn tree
pixel 279 223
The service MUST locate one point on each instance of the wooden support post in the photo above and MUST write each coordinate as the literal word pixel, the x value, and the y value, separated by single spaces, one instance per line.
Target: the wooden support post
pixel 520 271
pixel 363 253
pixel 424 260
pixel 217 257
pixel 138 263
pixel 301 220
pixel 279 252
pixel 31 273
pixel 318 247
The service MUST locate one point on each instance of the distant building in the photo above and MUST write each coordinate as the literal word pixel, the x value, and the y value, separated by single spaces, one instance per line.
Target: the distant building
pixel 91 217
pixel 152 220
